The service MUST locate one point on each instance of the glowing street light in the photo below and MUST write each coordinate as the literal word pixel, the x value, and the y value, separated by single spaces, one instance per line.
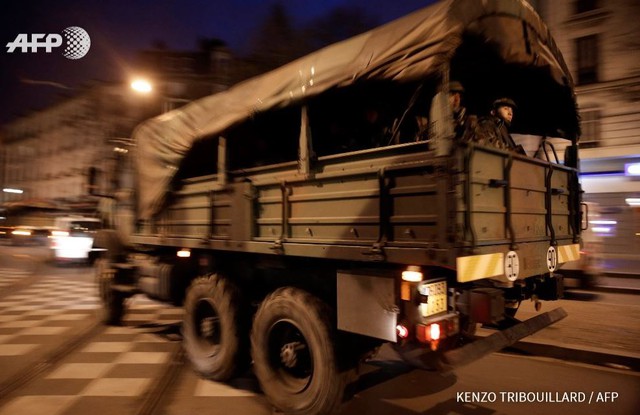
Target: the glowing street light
pixel 141 85
pixel 633 201
pixel 10 190
pixel 632 169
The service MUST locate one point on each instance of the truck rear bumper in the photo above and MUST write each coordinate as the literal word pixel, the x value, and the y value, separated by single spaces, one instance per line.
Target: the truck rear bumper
pixel 422 358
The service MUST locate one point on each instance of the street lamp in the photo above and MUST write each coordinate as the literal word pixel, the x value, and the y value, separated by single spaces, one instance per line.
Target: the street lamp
pixel 10 190
pixel 141 85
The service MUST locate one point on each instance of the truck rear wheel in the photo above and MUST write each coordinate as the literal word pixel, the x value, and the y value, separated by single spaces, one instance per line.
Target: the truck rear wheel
pixel 292 345
pixel 212 328
pixel 112 301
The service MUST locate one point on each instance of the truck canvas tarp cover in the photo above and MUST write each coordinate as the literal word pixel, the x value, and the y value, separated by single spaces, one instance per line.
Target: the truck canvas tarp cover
pixel 405 50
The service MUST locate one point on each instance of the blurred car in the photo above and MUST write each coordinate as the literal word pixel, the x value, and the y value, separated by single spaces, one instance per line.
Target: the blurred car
pixel 27 235
pixel 71 239
pixel 5 233
pixel 584 272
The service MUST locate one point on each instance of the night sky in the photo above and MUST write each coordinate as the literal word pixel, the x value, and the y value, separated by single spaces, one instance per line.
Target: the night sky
pixel 120 28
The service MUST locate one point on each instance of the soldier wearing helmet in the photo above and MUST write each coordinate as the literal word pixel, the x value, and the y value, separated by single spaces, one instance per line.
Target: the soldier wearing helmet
pixel 503 108
pixel 463 124
pixel 460 119
pixel 460 124
pixel 494 129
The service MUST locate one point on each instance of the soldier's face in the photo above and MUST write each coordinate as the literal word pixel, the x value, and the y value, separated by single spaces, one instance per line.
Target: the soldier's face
pixel 506 113
pixel 455 100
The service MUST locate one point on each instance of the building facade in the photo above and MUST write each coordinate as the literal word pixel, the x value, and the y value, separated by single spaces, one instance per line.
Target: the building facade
pixel 182 76
pixel 600 40
pixel 47 154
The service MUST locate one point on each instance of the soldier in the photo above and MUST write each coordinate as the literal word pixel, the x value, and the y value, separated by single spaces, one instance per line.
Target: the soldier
pixel 456 91
pixel 461 122
pixel 494 129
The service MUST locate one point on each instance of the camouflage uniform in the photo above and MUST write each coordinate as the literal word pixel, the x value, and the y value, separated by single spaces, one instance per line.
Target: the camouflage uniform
pixel 492 130
pixel 462 124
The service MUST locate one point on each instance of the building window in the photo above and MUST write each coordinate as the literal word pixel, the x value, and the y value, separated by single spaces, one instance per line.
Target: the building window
pixel 587 59
pixel 590 122
pixel 583 6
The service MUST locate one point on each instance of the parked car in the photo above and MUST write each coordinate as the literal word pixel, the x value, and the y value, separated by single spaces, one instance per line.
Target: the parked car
pixel 72 239
pixel 27 235
pixel 5 233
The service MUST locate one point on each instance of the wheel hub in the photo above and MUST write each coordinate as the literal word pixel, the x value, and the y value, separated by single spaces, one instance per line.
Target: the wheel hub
pixel 289 354
pixel 208 326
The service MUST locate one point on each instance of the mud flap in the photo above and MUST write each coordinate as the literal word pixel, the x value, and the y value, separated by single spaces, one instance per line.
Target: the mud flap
pixel 499 340
pixel 452 359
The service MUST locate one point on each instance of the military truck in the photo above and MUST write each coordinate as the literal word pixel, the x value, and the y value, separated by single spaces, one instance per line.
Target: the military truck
pixel 302 222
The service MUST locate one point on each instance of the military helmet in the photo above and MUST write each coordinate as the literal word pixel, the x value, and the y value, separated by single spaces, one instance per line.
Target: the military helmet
pixel 455 86
pixel 504 102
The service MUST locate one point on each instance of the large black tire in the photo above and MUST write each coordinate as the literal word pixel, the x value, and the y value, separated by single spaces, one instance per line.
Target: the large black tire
pixel 213 331
pixel 292 345
pixel 112 309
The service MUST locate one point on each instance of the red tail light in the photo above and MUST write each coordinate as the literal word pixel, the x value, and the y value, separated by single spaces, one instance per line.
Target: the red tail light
pixel 402 331
pixel 434 330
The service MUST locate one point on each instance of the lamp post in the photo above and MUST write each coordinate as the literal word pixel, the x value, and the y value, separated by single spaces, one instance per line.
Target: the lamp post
pixel 10 190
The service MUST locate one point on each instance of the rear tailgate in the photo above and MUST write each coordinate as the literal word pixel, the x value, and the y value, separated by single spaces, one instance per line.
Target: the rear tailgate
pixel 514 203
